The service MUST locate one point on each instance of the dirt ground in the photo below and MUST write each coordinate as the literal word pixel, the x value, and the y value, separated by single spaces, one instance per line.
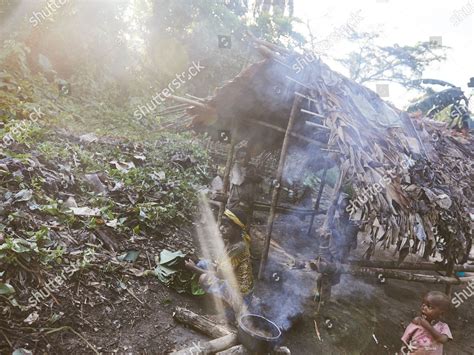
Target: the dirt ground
pixel 367 317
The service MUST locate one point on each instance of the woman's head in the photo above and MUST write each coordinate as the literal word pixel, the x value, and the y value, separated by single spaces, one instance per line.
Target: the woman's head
pixel 230 230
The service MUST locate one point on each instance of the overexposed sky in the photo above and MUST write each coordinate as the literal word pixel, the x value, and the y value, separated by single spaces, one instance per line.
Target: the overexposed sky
pixel 405 22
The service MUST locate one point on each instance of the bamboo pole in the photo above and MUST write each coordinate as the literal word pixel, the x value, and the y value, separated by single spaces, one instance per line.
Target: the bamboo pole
pixel 188 101
pixel 314 114
pixel 195 97
pixel 279 129
pixel 307 97
pixel 298 82
pixel 312 124
pixel 318 200
pixel 276 188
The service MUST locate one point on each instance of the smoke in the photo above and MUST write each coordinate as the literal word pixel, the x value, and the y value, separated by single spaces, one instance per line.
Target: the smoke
pixel 286 291
pixel 282 299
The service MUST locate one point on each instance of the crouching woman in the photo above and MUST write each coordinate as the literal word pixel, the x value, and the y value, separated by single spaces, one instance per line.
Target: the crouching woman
pixel 231 277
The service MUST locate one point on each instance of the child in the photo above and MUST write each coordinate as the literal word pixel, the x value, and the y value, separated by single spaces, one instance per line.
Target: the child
pixel 427 334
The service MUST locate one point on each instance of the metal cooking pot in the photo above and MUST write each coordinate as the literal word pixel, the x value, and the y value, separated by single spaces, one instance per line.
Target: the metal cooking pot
pixel 257 333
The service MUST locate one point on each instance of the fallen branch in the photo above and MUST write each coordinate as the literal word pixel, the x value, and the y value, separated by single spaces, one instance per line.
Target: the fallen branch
pixel 6 338
pixel 54 330
pixel 316 328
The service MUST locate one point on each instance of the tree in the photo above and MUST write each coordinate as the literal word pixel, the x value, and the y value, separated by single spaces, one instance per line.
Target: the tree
pixel 399 64
pixel 189 30
pixel 278 7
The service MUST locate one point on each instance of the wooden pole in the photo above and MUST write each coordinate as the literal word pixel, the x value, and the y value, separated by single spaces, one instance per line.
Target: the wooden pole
pixel 449 273
pixel 228 167
pixel 276 188
pixel 318 200
pixel 265 207
pixel 401 275
pixel 450 266
pixel 329 221
pixel 386 264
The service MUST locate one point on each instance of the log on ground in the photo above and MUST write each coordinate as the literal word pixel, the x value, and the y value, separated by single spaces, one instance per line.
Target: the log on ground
pixel 210 347
pixel 201 323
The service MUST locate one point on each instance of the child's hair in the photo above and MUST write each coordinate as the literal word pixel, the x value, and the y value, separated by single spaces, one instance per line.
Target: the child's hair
pixel 440 298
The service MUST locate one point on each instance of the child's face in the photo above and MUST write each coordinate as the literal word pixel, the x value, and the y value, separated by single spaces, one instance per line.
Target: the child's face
pixel 431 308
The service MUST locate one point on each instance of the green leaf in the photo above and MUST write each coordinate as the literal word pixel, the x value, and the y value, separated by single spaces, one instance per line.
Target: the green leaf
pixel 169 257
pixel 130 256
pixel 6 289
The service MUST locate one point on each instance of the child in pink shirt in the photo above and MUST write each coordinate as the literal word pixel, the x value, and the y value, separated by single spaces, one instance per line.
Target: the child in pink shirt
pixel 426 334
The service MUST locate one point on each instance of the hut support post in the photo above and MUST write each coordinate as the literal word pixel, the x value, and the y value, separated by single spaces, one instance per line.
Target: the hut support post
pixel 318 200
pixel 276 188
pixel 449 273
pixel 228 167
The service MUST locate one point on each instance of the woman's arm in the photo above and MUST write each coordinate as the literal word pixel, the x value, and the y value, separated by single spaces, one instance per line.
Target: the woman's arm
pixel 190 265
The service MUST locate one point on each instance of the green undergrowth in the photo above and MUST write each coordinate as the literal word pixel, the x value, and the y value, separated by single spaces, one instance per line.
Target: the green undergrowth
pixel 83 165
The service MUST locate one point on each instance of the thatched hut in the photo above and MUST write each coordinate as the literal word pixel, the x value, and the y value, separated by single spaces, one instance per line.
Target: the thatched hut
pixel 409 182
